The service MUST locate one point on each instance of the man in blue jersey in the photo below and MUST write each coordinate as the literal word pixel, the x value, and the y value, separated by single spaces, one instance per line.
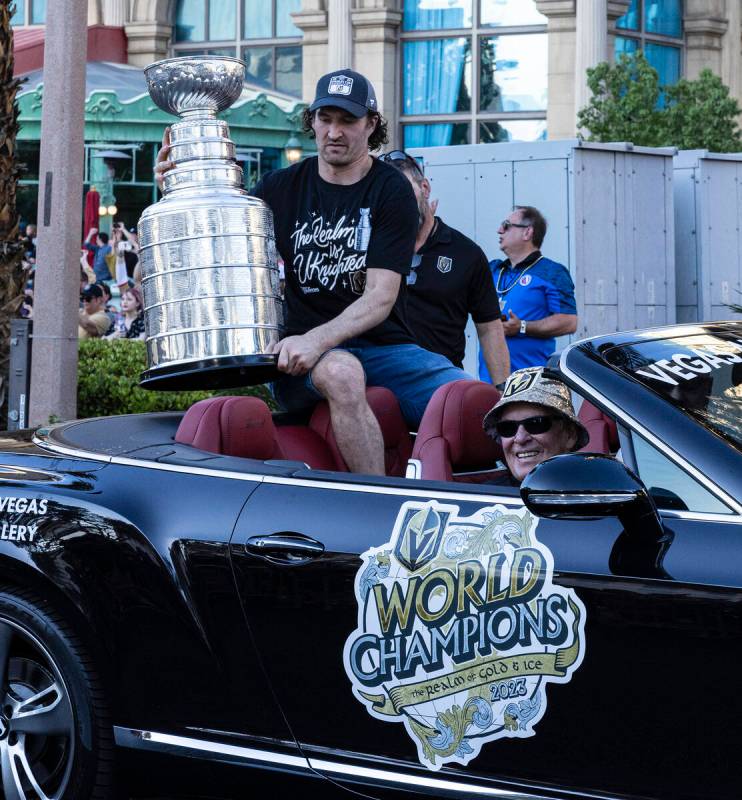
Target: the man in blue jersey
pixel 536 294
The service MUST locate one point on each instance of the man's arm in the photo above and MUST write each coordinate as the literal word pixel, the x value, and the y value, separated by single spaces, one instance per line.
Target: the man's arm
pixel 494 349
pixel 298 354
pixel 553 325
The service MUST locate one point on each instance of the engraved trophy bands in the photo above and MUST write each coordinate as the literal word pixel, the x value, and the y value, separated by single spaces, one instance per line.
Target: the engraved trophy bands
pixel 212 305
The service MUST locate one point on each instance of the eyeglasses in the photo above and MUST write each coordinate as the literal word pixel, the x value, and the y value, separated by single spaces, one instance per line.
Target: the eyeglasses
pixel 400 155
pixel 507 428
pixel 412 277
pixel 506 225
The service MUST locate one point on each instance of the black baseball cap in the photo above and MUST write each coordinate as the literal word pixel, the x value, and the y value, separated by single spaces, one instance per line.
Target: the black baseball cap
pixel 345 89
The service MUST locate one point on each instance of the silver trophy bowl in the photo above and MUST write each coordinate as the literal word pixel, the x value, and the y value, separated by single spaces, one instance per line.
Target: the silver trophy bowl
pixel 195 86
pixel 210 280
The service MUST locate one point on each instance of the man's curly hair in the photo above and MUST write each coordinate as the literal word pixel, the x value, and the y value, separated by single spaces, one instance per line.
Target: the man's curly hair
pixel 378 138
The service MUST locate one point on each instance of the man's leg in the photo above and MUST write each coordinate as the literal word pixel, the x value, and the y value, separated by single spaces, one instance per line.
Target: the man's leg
pixel 340 379
pixel 413 374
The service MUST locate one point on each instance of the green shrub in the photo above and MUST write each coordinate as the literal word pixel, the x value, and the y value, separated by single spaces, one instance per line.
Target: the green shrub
pixel 108 382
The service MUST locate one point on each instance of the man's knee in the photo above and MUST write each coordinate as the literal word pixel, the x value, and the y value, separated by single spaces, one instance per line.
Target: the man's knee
pixel 340 378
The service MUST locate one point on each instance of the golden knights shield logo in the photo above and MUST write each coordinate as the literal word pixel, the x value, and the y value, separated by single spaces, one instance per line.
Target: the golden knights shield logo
pixel 461 629
pixel 357 281
pixel 421 536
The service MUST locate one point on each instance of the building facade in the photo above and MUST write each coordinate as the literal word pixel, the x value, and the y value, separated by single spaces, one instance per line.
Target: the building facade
pixel 445 71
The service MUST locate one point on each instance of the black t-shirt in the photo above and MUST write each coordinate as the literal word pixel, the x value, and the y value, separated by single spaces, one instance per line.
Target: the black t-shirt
pixel 453 280
pixel 329 235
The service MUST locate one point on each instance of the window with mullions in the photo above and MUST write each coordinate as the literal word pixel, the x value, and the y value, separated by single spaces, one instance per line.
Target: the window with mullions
pixel 656 27
pixel 261 32
pixel 29 12
pixel 473 70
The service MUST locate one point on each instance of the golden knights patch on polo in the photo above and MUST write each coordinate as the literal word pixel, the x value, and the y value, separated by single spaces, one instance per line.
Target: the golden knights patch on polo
pixel 461 628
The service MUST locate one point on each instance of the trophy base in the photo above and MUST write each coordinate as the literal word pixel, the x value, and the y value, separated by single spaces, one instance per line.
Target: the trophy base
pixel 225 372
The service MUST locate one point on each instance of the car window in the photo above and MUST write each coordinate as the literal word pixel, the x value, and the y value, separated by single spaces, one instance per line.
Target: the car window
pixel 700 374
pixel 670 486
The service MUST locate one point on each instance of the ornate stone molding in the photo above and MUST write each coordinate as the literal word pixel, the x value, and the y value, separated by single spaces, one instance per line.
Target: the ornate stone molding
pixel 616 9
pixel 556 8
pixel 147 41
pixel 376 24
pixel 705 22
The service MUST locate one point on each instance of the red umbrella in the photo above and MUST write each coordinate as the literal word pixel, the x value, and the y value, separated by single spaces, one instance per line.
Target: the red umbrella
pixel 91 219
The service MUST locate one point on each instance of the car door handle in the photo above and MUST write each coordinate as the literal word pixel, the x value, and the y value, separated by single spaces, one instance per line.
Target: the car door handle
pixel 286 547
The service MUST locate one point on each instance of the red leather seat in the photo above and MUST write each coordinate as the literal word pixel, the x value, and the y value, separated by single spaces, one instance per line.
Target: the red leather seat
pixel 397 439
pixel 601 428
pixel 244 427
pixel 451 439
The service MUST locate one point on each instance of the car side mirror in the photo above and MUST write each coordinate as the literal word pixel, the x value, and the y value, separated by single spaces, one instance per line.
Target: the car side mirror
pixel 587 485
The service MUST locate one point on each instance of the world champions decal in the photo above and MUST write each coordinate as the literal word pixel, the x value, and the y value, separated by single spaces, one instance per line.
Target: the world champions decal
pixel 461 629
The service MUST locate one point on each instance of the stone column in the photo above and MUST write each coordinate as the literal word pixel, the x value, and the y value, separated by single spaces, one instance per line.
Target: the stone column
pixel 591 44
pixel 376 45
pixel 560 112
pixel 57 289
pixel 339 35
pixel 115 13
pixel 312 19
pixel 149 31
pixel 731 50
pixel 705 24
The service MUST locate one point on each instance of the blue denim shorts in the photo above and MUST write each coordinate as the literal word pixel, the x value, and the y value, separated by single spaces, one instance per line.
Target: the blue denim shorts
pixel 413 374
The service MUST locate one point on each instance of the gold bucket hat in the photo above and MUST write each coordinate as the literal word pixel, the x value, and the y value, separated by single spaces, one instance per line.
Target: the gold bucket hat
pixel 531 385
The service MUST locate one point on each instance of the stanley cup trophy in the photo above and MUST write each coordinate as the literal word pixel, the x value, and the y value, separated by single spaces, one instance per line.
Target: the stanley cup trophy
pixel 210 281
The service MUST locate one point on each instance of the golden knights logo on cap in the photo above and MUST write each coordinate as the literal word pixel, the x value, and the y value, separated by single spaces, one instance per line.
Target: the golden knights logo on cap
pixel 340 84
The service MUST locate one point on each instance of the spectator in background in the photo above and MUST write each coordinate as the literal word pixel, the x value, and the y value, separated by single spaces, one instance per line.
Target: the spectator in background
pixel 28 240
pixel 537 296
pixel 26 309
pixel 93 321
pixel 132 322
pixel 100 250
pixel 87 276
pixel 109 308
pixel 448 281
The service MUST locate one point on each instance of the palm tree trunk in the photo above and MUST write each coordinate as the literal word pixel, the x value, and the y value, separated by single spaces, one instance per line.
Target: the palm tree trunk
pixel 12 271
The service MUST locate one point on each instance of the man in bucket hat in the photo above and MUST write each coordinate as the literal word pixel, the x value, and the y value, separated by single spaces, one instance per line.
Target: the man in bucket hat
pixel 533 420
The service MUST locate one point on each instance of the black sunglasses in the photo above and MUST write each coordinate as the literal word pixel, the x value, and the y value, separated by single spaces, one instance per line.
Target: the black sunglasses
pixel 412 277
pixel 400 155
pixel 506 225
pixel 507 428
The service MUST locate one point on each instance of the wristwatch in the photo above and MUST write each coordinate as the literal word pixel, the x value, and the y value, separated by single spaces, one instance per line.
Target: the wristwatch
pixel 523 324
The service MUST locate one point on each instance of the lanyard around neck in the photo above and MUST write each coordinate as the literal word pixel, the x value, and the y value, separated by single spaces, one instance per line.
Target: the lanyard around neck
pixel 503 290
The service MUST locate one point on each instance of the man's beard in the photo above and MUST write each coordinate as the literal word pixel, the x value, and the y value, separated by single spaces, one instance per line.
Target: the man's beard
pixel 422 211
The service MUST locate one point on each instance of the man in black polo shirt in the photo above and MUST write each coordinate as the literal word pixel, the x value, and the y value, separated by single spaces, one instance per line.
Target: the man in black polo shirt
pixel 450 279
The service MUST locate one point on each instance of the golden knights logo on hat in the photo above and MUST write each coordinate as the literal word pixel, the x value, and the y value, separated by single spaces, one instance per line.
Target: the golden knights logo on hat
pixel 520 382
pixel 340 84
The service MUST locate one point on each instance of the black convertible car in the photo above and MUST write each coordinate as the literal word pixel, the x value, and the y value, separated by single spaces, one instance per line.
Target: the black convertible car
pixel 215 588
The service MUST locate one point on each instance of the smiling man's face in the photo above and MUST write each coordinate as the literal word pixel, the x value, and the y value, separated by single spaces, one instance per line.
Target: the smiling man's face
pixel 525 450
